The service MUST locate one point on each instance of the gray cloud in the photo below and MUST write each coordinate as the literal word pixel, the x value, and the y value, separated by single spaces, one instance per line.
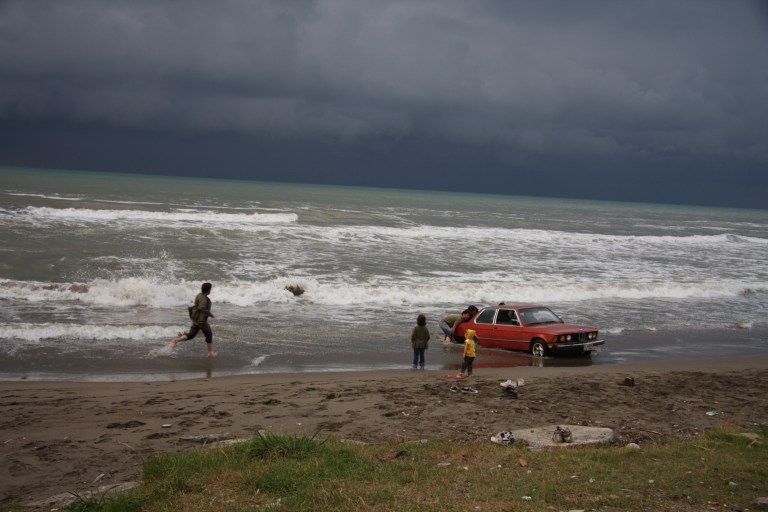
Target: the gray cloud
pixel 597 79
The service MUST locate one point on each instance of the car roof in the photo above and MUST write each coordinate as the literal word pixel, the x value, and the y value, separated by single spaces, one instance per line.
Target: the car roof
pixel 513 306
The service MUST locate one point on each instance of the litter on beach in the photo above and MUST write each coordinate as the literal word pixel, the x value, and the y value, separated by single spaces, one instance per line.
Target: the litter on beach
pixel 509 383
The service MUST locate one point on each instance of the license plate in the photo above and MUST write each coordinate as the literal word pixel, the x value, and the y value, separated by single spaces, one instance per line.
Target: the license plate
pixel 592 348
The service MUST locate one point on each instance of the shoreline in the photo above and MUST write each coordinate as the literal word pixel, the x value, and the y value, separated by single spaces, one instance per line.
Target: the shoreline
pixel 189 362
pixel 530 366
pixel 76 436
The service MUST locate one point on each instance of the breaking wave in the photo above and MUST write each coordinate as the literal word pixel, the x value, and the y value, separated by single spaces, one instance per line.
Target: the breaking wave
pixel 153 293
pixel 175 218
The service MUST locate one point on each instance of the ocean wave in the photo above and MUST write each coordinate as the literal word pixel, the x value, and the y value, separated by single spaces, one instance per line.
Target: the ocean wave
pixel 45 196
pixel 420 291
pixel 506 236
pixel 81 199
pixel 365 234
pixel 177 218
pixel 60 331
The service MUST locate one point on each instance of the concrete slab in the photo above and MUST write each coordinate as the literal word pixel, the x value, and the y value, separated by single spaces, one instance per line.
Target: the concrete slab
pixel 541 437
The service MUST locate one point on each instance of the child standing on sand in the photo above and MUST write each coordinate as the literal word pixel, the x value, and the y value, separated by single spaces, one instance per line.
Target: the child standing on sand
pixel 419 339
pixel 469 353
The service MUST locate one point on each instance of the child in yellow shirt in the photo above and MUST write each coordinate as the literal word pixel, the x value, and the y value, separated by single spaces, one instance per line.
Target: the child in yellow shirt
pixel 469 352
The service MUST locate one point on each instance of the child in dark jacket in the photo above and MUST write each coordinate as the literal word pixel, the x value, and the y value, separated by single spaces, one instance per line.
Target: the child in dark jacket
pixel 419 339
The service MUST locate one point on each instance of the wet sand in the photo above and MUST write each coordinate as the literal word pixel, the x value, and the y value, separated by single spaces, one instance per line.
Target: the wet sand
pixel 159 363
pixel 69 436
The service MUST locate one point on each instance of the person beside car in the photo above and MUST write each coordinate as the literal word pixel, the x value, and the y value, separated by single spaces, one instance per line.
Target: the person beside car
pixel 447 324
pixel 466 316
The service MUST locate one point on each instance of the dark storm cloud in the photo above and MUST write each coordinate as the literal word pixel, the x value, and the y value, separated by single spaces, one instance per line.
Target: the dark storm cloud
pixel 592 82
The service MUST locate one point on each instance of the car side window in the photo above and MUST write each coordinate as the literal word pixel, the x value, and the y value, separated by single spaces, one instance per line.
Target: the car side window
pixel 507 317
pixel 485 316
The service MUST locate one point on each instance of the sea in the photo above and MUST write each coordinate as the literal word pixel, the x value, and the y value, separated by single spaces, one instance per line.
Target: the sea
pixel 97 271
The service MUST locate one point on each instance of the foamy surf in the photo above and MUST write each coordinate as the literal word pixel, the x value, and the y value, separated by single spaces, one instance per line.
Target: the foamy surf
pixel 102 271
pixel 257 361
pixel 59 332
pixel 165 351
pixel 173 218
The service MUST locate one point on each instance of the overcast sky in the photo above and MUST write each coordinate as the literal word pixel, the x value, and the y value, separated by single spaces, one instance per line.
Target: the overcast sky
pixel 641 100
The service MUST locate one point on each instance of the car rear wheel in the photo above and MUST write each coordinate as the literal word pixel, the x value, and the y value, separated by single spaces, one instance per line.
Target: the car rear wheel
pixel 538 348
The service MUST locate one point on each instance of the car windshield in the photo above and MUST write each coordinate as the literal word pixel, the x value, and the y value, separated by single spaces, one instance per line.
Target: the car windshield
pixel 534 316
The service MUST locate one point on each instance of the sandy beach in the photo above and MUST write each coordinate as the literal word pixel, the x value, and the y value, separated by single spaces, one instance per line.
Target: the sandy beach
pixel 61 437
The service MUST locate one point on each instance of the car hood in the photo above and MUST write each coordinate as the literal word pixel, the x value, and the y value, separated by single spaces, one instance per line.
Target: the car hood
pixel 561 328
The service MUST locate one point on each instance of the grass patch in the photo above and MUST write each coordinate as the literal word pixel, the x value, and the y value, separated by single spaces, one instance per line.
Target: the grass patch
pixel 721 470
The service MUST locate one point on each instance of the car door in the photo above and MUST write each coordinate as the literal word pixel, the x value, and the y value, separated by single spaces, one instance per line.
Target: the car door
pixel 507 331
pixel 483 326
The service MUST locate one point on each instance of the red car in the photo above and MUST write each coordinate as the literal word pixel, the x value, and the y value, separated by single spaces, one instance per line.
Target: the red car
pixel 535 329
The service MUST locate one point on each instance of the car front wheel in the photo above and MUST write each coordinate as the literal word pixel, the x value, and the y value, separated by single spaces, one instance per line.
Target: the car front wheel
pixel 538 348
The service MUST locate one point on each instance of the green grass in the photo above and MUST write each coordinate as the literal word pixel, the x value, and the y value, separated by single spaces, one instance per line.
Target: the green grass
pixel 721 470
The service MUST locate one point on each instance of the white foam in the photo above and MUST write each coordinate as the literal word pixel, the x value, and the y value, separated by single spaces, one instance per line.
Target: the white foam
pixel 45 196
pixel 490 238
pixel 256 361
pixel 418 290
pixel 78 199
pixel 164 351
pixel 175 218
pixel 59 331
pixel 103 292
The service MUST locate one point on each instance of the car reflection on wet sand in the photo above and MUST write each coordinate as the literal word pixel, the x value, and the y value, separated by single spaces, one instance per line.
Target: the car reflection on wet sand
pixel 500 358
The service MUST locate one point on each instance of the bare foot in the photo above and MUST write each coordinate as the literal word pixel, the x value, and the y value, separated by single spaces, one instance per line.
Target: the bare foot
pixel 212 354
pixel 179 339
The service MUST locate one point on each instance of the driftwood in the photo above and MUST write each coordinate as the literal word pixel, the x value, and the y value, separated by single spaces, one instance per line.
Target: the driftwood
pixel 205 439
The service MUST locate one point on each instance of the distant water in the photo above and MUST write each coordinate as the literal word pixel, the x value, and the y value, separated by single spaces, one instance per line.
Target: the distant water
pixel 97 269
